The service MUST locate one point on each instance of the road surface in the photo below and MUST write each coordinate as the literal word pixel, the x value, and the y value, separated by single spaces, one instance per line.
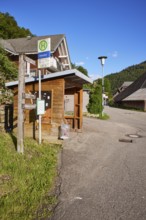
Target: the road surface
pixel 103 178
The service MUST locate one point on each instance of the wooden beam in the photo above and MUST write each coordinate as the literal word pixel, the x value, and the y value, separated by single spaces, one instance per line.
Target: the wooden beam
pixel 78 109
pixel 29 60
pixel 28 96
pixel 81 108
pixel 21 87
pixel 29 106
pixel 63 56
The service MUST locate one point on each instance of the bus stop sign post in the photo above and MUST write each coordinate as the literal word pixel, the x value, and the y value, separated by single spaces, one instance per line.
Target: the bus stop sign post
pixel 43 62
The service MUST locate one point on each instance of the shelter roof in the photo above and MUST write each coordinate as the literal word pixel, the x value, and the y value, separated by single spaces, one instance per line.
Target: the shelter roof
pixel 73 78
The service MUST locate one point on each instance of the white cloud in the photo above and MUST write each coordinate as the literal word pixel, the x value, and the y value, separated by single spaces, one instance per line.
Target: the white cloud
pixel 94 76
pixel 115 54
pixel 80 63
pixel 91 76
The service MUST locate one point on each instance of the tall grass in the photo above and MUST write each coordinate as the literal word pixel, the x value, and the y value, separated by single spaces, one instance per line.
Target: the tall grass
pixel 25 180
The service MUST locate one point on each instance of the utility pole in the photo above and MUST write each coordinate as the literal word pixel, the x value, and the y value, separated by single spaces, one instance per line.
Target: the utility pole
pixel 21 101
pixel 102 59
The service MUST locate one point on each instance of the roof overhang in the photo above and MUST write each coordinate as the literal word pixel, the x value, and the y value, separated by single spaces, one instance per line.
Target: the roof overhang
pixel 73 78
pixel 7 47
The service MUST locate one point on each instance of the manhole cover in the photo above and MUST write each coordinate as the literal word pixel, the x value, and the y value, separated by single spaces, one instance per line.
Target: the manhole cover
pixel 134 135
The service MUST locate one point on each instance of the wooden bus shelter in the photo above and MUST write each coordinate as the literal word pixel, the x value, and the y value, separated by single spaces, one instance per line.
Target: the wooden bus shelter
pixel 54 87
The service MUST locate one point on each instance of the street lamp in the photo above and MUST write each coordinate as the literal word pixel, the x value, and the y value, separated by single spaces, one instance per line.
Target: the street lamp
pixel 102 59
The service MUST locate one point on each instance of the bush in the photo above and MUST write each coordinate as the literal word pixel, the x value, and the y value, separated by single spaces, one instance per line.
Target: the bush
pixel 95 100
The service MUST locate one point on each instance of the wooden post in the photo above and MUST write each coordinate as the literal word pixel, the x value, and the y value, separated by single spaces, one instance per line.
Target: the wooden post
pixel 75 109
pixel 78 108
pixel 81 108
pixel 21 88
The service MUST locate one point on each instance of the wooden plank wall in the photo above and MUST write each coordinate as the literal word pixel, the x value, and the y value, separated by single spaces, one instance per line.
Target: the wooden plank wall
pixel 52 118
pixel 78 109
pixel 76 120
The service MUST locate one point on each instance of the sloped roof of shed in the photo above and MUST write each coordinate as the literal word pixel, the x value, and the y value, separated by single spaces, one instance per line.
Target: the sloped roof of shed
pixel 29 44
pixel 73 78
pixel 136 85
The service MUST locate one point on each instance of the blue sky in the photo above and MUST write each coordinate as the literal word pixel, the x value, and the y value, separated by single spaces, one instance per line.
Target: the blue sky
pixel 113 28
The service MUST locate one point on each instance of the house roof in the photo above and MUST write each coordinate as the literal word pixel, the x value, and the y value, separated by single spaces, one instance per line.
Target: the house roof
pixel 73 78
pixel 140 83
pixel 126 84
pixel 122 87
pixel 5 44
pixel 139 95
pixel 29 44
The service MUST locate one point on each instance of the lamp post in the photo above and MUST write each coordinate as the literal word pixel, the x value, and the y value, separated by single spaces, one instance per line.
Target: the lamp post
pixel 102 59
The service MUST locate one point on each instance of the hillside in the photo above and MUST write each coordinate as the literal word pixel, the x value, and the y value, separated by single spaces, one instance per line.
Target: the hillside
pixel 8 70
pixel 10 29
pixel 129 74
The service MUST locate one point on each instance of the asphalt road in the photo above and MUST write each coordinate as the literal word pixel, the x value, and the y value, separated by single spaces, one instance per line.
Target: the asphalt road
pixel 103 178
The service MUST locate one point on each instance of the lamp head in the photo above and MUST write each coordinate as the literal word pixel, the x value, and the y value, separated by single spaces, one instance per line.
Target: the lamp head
pixel 102 59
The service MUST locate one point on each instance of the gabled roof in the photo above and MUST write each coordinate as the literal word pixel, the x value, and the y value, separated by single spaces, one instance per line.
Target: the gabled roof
pixel 140 83
pixel 73 78
pixel 29 44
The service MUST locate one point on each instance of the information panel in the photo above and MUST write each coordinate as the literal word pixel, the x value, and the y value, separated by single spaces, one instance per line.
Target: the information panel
pixel 40 107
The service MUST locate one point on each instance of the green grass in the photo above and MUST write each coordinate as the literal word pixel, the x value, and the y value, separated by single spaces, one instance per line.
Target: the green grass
pixel 26 180
pixel 90 115
pixel 104 116
pixel 98 116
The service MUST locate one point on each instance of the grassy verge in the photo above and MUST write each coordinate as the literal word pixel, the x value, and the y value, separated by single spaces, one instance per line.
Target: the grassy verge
pixel 25 180
pixel 98 116
pixel 104 116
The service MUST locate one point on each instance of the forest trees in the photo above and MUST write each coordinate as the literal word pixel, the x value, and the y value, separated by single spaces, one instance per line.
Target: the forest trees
pixel 9 28
pixel 8 71
pixel 80 68
pixel 129 74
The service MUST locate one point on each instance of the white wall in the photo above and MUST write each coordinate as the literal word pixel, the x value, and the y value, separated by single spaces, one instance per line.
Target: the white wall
pixel 69 101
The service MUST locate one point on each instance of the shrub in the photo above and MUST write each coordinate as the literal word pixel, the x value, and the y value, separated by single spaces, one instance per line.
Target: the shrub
pixel 95 100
